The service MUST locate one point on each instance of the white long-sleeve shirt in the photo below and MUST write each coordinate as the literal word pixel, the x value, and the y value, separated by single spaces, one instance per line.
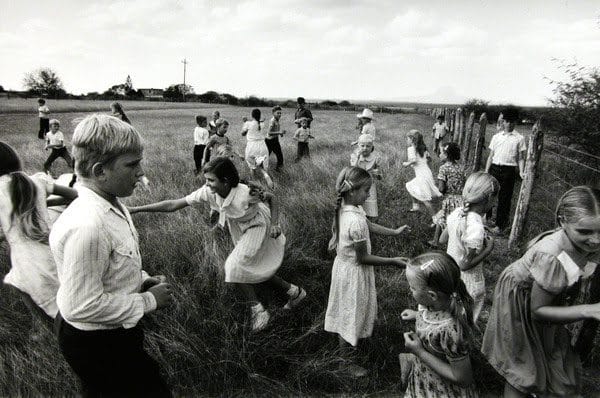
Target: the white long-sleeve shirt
pixel 95 247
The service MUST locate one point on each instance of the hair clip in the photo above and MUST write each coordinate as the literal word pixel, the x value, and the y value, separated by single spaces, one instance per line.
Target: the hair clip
pixel 426 265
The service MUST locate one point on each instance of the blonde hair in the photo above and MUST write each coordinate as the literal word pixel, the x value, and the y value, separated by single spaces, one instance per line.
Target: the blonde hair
pixel 577 203
pixel 101 139
pixel 54 121
pixel 349 179
pixel 479 187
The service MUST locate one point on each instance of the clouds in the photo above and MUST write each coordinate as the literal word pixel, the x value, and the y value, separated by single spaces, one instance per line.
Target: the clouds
pixel 284 47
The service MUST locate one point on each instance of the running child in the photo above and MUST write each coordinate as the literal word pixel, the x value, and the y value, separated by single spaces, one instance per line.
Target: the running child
pixel 439 131
pixel 468 243
pixel 365 124
pixel 44 115
pixel 421 188
pixel 55 140
pixel 213 125
pixel 201 137
pixel 216 140
pixel 273 135
pixel 352 304
pixel 440 364
pixel 302 135
pixel 252 216
pixel 368 159
pixel 526 340
pixel 257 153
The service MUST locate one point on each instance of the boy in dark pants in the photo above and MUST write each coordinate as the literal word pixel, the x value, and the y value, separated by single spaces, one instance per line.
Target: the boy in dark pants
pixel 506 161
pixel 272 139
pixel 44 114
pixel 55 141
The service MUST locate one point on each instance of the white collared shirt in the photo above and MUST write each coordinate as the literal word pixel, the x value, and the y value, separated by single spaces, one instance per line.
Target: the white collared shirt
pixel 57 138
pixel 507 148
pixel 201 136
pixel 464 232
pixel 235 205
pixel 95 246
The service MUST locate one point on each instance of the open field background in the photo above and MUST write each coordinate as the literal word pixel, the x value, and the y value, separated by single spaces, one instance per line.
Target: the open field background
pixel 202 342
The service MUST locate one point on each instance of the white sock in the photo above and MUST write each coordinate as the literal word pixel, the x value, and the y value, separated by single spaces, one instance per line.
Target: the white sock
pixel 293 290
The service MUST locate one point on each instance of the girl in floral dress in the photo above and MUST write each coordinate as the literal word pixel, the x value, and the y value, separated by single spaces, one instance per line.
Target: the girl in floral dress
pixel 440 365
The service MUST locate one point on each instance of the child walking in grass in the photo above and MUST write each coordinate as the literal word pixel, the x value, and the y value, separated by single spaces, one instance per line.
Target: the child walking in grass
pixel 468 243
pixel 257 153
pixel 201 136
pixel 302 135
pixel 352 304
pixel 44 115
pixel 526 340
pixel 451 180
pixel 55 141
pixel 252 216
pixel 368 159
pixel 422 188
pixel 216 140
pixel 440 364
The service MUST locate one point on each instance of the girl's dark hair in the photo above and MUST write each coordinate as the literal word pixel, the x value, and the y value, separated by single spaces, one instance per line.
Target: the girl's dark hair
pixel 119 109
pixel 417 139
pixel 200 119
pixel 256 116
pixel 438 271
pixel 23 195
pixel 224 169
pixel 452 151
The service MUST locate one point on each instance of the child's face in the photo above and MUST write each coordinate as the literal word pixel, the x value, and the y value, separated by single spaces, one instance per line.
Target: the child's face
pixel 584 234
pixel 120 177
pixel 216 115
pixel 409 141
pixel 277 114
pixel 54 127
pixel 304 123
pixel 365 148
pixel 419 290
pixel 220 187
pixel 509 126
pixel 443 154
pixel 223 129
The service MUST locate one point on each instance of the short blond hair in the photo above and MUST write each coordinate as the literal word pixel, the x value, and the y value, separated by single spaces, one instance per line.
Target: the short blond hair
pixel 101 139
pixel 53 121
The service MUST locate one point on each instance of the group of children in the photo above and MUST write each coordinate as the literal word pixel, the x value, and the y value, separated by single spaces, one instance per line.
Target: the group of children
pixel 524 339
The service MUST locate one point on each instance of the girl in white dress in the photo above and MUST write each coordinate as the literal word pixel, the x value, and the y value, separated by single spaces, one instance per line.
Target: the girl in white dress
pixel 257 152
pixel 352 304
pixel 251 214
pixel 367 158
pixel 422 188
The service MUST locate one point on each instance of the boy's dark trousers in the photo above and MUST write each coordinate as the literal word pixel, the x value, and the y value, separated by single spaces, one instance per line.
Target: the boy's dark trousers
pixel 44 127
pixel 111 362
pixel 506 176
pixel 302 151
pixel 58 153
pixel 274 146
pixel 198 154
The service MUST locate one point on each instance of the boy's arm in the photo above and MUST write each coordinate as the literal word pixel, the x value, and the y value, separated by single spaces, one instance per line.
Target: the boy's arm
pixel 164 206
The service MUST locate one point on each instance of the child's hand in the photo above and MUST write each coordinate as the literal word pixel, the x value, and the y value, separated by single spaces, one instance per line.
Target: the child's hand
pixel 163 295
pixel 401 229
pixel 275 231
pixel 405 164
pixel 595 311
pixel 153 281
pixel 283 132
pixel 412 342
pixel 408 315
pixel 400 261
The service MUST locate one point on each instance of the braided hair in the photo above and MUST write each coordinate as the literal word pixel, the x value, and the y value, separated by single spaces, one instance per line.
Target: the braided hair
pixel 417 139
pixel 349 179
pixel 256 116
pixel 479 187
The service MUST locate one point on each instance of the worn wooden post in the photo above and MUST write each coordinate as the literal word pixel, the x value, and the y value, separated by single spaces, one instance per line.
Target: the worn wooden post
pixel 534 151
pixel 479 141
pixel 458 126
pixel 467 140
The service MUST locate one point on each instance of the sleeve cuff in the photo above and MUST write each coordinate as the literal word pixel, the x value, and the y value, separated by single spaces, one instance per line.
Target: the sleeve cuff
pixel 149 302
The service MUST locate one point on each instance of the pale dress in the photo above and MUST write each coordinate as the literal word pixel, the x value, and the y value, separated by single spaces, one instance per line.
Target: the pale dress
pixel 422 187
pixel 257 153
pixel 468 232
pixel 369 163
pixel 352 304
pixel 33 270
pixel 256 256
pixel 537 356
pixel 440 335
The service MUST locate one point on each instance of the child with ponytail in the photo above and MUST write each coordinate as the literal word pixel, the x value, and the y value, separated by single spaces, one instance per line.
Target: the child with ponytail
pixel 352 304
pixel 24 221
pixel 441 365
pixel 257 152
pixel 468 243
pixel 526 340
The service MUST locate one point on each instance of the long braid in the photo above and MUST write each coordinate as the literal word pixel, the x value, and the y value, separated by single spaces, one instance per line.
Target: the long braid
pixel 25 214
pixel 461 308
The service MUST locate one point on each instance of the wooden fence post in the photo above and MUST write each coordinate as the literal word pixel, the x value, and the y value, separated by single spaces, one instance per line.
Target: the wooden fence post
pixel 467 139
pixel 479 141
pixel 451 125
pixel 534 151
pixel 458 126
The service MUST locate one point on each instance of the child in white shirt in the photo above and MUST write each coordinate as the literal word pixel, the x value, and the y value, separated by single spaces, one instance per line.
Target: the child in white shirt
pixel 55 140
pixel 201 136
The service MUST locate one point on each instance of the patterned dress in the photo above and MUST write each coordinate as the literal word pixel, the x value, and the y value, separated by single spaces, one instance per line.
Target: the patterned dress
pixel 454 178
pixel 352 304
pixel 371 164
pixel 422 187
pixel 535 356
pixel 439 334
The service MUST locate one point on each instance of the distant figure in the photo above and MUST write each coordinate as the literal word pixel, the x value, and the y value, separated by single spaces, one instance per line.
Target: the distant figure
pixel 302 112
pixel 302 135
pixel 213 125
pixel 439 131
pixel 201 136
pixel 366 124
pixel 273 134
pixel 216 140
pixel 44 114
pixel 367 158
pixel 55 141
pixel 118 112
pixel 257 153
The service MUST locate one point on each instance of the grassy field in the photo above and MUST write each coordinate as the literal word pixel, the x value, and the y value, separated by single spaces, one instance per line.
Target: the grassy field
pixel 202 342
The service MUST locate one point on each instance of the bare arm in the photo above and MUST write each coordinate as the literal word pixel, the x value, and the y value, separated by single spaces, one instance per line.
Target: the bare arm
pixel 488 164
pixel 164 206
pixel 521 162
pixel 441 185
pixel 543 309
pixel 381 230
pixel 473 258
pixel 363 257
pixel 444 236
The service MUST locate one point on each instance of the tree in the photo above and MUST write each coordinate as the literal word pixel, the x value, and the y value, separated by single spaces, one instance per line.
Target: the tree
pixel 1 89
pixel 44 81
pixel 175 91
pixel 478 106
pixel 210 97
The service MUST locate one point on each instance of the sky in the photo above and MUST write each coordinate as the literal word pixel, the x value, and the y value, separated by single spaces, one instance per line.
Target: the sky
pixel 388 50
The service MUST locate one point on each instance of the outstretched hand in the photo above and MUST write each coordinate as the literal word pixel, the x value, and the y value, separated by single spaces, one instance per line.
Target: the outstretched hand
pixel 412 342
pixel 401 229
pixel 401 261
pixel 163 294
pixel 408 315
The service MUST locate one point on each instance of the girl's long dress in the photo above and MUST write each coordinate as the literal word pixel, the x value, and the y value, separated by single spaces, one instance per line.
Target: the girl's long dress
pixel 535 356
pixel 370 163
pixel 422 187
pixel 257 153
pixel 352 304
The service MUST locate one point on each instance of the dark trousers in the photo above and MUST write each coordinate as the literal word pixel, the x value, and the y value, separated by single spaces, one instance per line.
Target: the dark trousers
pixel 58 153
pixel 44 127
pixel 302 151
pixel 110 363
pixel 198 154
pixel 274 146
pixel 437 143
pixel 506 176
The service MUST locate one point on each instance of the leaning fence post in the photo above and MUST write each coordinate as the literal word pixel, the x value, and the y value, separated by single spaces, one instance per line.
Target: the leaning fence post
pixel 467 139
pixel 457 126
pixel 534 151
pixel 479 141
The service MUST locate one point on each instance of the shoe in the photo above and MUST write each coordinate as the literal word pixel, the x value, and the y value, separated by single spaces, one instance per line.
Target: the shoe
pixel 269 181
pixel 260 318
pixel 414 209
pixel 296 299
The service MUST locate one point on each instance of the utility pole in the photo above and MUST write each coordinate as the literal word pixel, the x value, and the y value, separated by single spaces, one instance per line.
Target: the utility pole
pixel 184 62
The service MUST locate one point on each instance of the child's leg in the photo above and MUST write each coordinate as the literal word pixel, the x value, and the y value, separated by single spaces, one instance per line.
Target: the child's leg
pixel 298 152
pixel 267 178
pixel 351 367
pixel 306 151
pixel 260 316
pixel 249 293
pixel 415 205
pixel 198 155
pixel 295 293
pixel 436 236
pixel 48 163
pixel 67 157
pixel 429 207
